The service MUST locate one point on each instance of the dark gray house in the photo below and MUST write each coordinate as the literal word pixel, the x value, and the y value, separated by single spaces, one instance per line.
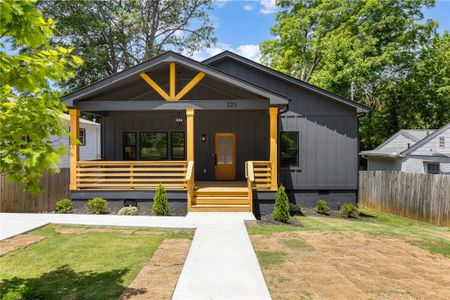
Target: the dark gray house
pixel 219 135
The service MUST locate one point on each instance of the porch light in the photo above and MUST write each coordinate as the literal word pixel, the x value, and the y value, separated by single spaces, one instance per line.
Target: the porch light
pixel 203 138
pixel 179 120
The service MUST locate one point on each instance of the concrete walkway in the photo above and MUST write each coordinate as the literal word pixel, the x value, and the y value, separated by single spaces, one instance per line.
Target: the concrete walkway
pixel 221 263
pixel 12 224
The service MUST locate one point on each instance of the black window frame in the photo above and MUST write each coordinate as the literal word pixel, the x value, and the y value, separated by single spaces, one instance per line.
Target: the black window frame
pixel 297 162
pixel 82 141
pixel 135 144
pixel 171 145
pixel 141 144
pixel 437 165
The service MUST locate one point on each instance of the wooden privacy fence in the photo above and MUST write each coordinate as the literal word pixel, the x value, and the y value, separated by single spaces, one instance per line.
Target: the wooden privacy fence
pixel 13 198
pixel 424 197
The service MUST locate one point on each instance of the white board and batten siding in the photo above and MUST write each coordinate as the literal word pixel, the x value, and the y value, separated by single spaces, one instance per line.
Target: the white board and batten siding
pixel 91 150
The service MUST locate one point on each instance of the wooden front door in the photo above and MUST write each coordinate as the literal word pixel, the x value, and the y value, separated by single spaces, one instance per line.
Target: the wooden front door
pixel 225 156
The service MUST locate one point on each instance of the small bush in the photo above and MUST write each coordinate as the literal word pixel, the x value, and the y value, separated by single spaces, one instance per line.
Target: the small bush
pixel 63 206
pixel 281 209
pixel 160 203
pixel 97 205
pixel 322 207
pixel 349 210
pixel 295 209
pixel 128 211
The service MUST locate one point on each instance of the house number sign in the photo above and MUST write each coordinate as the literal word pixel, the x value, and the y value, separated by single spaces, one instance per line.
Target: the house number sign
pixel 232 104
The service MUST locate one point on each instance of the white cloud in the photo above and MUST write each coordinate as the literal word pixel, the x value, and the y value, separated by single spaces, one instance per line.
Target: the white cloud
pixel 248 7
pixel 249 51
pixel 267 7
pixel 221 3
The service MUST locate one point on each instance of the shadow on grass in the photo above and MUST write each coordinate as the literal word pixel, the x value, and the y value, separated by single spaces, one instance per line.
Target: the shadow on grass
pixel 366 215
pixel 64 283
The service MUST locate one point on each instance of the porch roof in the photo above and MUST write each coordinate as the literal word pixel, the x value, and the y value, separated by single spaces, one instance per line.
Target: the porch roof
pixel 118 79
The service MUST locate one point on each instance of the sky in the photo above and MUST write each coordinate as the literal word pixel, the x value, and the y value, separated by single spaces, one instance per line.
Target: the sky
pixel 241 25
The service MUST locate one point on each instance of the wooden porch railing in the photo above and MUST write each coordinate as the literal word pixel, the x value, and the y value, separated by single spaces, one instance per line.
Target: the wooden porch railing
pixel 123 175
pixel 190 183
pixel 262 172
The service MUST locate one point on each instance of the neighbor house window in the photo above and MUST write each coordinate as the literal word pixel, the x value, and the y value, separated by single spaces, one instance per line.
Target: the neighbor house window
pixel 178 145
pixel 289 145
pixel 442 142
pixel 433 168
pixel 129 145
pixel 154 145
pixel 82 137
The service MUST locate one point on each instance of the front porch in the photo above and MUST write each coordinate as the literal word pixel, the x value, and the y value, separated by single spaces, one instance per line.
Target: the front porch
pixel 216 140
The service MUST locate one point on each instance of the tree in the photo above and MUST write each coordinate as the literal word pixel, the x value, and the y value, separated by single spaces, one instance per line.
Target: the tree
pixel 30 110
pixel 374 44
pixel 114 35
pixel 160 205
pixel 281 207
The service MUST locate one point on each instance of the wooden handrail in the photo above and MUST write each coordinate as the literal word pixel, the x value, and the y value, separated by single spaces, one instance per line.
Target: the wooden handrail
pixel 190 183
pixel 249 173
pixel 260 173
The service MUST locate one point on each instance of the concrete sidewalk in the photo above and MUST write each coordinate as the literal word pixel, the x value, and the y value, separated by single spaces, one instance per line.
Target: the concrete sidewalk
pixel 12 224
pixel 221 263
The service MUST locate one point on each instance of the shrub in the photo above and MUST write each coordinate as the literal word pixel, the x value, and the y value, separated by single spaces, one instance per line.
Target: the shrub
pixel 97 205
pixel 295 209
pixel 281 208
pixel 160 204
pixel 349 210
pixel 128 211
pixel 63 206
pixel 322 207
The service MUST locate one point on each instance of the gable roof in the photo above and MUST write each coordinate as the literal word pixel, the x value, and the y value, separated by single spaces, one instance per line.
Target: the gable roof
pixel 230 55
pixel 418 136
pixel 169 56
pixel 426 139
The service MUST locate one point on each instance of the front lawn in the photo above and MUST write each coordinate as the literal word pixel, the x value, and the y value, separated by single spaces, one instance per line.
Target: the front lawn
pixel 380 256
pixel 79 263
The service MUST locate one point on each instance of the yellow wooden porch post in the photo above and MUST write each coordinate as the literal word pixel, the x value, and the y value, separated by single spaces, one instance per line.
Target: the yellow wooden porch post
pixel 74 146
pixel 274 146
pixel 190 133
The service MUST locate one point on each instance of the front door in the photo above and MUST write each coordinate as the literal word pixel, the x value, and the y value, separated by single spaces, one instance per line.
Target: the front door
pixel 225 156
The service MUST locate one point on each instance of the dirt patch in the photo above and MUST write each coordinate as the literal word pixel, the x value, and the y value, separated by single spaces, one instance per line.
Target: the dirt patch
pixel 326 265
pixel 81 230
pixel 159 276
pixel 18 242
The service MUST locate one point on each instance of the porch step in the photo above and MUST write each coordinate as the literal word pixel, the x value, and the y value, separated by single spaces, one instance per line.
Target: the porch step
pixel 220 197
pixel 221 200
pixel 220 207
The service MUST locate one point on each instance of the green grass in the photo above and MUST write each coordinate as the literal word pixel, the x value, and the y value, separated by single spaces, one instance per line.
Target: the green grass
pixel 78 266
pixel 271 258
pixel 421 234
pixel 298 244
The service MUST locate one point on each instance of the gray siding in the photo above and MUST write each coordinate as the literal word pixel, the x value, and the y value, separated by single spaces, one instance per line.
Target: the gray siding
pixel 252 139
pixel 328 133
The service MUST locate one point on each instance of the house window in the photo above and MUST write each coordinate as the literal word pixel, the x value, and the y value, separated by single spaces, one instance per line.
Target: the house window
pixel 129 145
pixel 289 148
pixel 178 143
pixel 433 168
pixel 442 142
pixel 82 137
pixel 154 145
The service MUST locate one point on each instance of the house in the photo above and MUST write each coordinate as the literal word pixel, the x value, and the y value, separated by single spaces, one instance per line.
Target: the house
pixel 413 150
pixel 219 135
pixel 89 141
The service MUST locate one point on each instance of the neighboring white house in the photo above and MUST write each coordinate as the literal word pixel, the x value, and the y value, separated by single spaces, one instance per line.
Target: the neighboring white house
pixel 90 136
pixel 413 150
